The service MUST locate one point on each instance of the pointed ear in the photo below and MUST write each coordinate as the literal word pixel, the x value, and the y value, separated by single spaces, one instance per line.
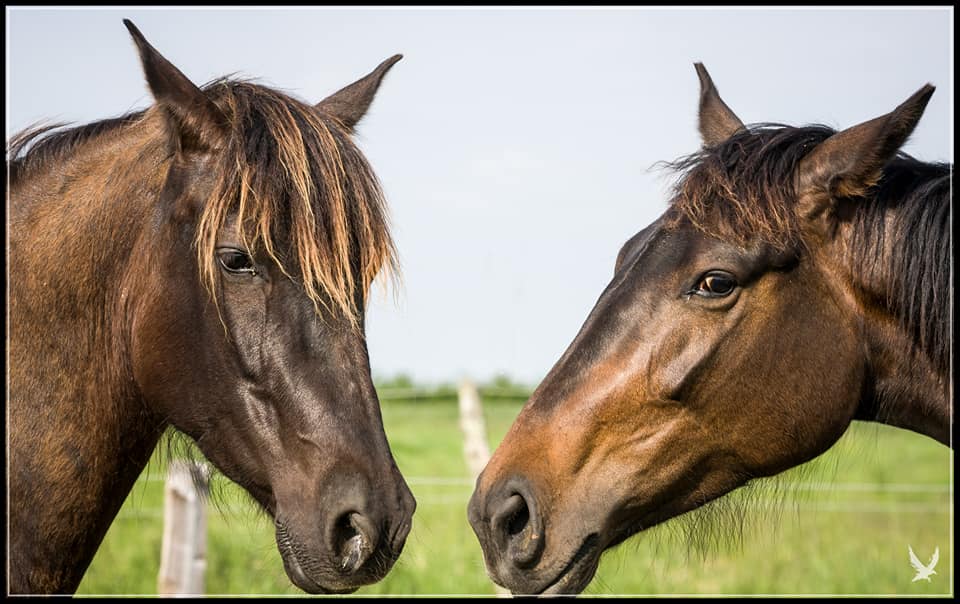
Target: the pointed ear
pixel 717 121
pixel 351 103
pixel 850 162
pixel 195 121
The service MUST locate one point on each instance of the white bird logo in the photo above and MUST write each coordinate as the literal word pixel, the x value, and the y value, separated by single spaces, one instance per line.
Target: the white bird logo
pixel 924 572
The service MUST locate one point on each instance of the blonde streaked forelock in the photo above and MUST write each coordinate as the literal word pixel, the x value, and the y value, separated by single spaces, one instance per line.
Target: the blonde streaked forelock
pixel 289 171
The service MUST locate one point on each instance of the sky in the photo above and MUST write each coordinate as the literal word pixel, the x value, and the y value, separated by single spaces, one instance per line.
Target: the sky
pixel 517 148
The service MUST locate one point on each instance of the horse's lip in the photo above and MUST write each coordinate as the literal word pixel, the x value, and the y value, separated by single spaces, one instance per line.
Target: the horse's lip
pixel 296 574
pixel 300 578
pixel 579 571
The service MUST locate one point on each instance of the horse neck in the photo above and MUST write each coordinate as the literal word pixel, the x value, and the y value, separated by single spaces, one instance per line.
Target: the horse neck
pixel 79 434
pixel 894 257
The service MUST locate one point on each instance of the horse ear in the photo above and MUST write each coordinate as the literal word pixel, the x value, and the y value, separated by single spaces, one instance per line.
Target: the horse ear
pixel 717 121
pixel 195 120
pixel 349 104
pixel 850 162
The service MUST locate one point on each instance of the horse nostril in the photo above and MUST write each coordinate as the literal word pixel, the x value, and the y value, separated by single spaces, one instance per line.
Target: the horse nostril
pixel 355 538
pixel 516 527
pixel 504 520
pixel 519 520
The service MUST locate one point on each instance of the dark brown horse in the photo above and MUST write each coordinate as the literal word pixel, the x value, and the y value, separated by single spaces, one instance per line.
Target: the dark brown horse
pixel 798 280
pixel 202 264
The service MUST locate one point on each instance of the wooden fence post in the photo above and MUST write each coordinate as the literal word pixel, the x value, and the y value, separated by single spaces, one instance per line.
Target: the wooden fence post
pixel 475 448
pixel 183 555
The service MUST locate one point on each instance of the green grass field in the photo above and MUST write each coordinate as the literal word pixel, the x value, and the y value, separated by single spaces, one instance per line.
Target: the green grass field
pixel 842 527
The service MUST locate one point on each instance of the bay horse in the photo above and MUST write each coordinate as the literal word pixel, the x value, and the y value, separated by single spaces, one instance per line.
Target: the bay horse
pixel 201 264
pixel 798 280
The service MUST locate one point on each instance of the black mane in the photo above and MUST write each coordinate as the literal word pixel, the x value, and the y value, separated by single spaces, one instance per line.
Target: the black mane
pixel 743 190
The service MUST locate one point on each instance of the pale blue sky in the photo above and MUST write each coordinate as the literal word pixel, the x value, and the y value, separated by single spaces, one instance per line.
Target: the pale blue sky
pixel 514 145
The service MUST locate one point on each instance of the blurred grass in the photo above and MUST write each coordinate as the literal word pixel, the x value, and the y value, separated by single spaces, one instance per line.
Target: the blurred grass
pixel 847 532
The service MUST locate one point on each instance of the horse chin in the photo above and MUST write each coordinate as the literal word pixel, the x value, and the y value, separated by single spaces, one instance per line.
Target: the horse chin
pixel 300 578
pixel 298 570
pixel 582 565
pixel 579 570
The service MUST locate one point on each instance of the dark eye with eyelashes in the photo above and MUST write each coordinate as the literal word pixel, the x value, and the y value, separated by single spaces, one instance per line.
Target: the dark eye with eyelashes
pixel 236 261
pixel 715 284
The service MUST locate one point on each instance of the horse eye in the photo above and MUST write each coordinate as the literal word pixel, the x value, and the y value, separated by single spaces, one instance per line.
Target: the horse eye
pixel 236 261
pixel 715 285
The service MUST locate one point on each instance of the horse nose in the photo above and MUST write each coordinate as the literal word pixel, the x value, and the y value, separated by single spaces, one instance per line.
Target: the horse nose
pixel 358 531
pixel 354 537
pixel 516 525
